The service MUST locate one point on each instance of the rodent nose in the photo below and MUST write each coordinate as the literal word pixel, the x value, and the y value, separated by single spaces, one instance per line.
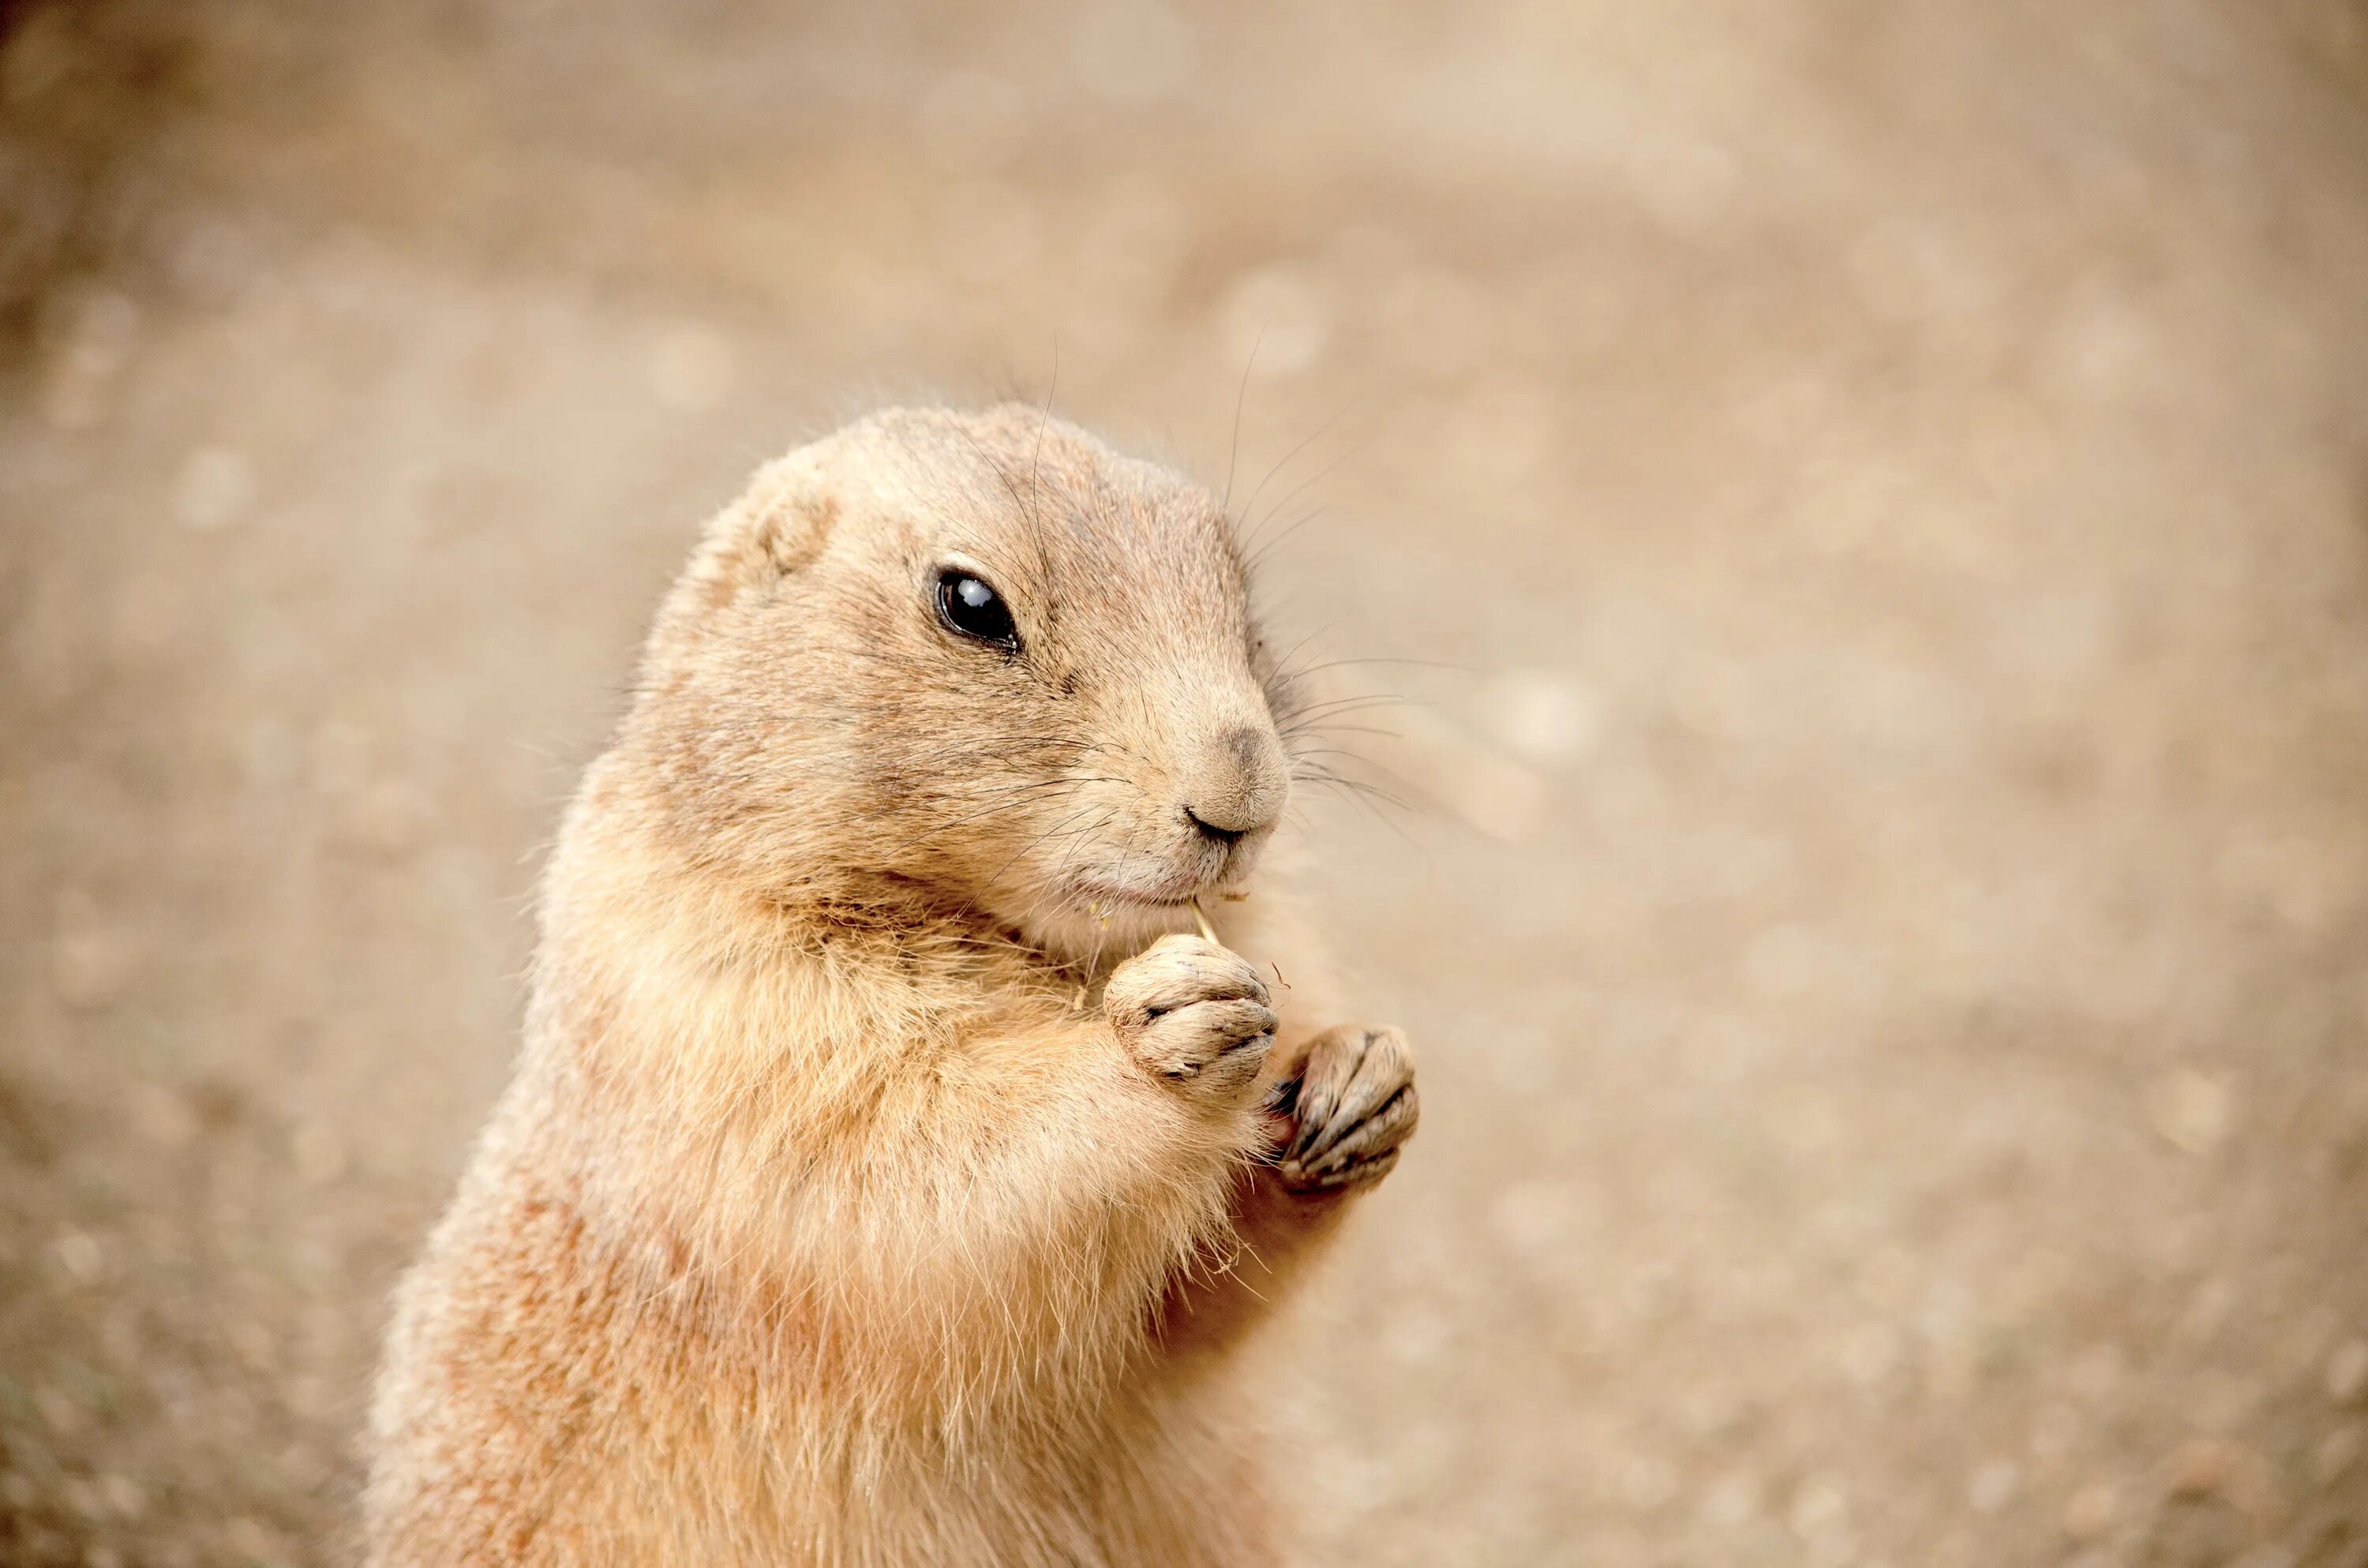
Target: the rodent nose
pixel 1238 784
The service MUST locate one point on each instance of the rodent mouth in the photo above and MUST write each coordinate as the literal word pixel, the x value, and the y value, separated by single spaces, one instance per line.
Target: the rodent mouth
pixel 1098 895
pixel 1159 887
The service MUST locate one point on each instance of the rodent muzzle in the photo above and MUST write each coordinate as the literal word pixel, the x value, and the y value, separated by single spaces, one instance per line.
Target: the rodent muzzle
pixel 1238 784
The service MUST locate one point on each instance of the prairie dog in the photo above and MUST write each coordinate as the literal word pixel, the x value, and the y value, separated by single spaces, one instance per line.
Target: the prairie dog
pixel 889 1177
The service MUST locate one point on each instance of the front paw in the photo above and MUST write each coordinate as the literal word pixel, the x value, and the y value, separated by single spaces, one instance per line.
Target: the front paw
pixel 1192 1011
pixel 1352 1106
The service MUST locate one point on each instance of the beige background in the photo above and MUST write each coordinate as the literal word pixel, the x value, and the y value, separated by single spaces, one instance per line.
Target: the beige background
pixel 1897 473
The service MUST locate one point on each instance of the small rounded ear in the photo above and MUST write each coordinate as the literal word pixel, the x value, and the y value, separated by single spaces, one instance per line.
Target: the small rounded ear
pixel 777 526
pixel 787 514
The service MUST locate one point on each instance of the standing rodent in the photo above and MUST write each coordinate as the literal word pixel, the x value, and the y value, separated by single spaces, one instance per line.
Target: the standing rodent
pixel 858 1199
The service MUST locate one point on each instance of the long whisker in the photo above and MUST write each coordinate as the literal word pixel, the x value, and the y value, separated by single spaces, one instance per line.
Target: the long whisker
pixel 1424 663
pixel 1310 438
pixel 1338 708
pixel 1270 546
pixel 1347 730
pixel 1000 807
pixel 1341 780
pixel 1036 458
pixel 1241 395
pixel 1041 837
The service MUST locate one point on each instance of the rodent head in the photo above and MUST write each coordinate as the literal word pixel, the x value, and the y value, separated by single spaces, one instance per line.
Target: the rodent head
pixel 977 660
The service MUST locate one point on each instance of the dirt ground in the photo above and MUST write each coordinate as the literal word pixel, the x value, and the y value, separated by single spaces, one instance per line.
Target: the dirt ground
pixel 1897 473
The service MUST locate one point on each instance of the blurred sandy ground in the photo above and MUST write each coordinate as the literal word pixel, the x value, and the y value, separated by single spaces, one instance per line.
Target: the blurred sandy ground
pixel 1899 473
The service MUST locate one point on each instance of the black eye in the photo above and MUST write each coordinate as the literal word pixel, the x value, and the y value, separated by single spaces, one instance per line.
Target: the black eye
pixel 973 610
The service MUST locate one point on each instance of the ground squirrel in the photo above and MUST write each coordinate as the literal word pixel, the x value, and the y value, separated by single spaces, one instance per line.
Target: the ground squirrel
pixel 890 1177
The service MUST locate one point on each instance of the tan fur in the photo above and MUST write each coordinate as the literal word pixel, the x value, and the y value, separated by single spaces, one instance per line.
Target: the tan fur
pixel 865 1195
